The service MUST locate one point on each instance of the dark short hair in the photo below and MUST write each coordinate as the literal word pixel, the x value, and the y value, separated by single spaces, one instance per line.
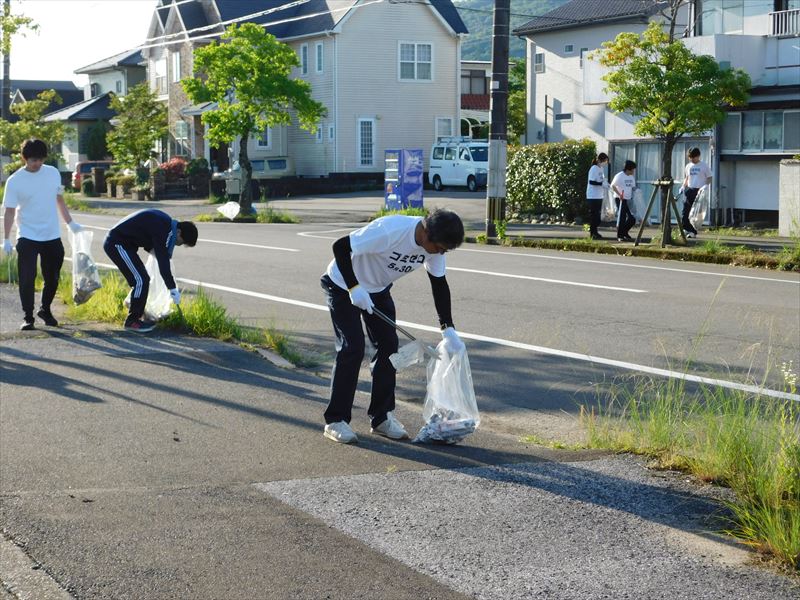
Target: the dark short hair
pixel 444 227
pixel 694 152
pixel 600 158
pixel 188 232
pixel 33 148
pixel 629 164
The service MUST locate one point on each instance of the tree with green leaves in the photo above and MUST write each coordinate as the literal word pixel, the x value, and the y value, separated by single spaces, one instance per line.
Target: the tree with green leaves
pixel 96 146
pixel 247 74
pixel 31 124
pixel 517 97
pixel 141 121
pixel 10 25
pixel 673 92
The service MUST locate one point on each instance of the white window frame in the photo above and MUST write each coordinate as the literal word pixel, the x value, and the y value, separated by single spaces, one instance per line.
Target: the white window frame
pixel 319 54
pixel 175 60
pixel 331 133
pixel 416 78
pixel 569 48
pixel 538 62
pixel 373 122
pixel 260 139
pixel 160 76
pixel 304 59
pixel 320 129
pixel 436 123
pixel 583 53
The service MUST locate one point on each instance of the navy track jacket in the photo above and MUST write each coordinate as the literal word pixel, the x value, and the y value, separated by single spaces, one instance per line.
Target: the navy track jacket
pixel 151 229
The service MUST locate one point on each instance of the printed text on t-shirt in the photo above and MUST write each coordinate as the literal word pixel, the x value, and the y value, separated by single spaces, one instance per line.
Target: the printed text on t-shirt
pixel 407 259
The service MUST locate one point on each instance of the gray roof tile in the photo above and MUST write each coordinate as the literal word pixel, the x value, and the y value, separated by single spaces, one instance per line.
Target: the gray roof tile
pixel 582 13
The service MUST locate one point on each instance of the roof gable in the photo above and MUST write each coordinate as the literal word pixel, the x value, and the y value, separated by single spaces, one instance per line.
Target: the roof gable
pixel 584 13
pixel 88 110
pixel 123 59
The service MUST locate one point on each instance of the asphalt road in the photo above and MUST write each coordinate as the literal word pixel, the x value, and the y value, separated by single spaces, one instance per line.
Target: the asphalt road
pixel 546 331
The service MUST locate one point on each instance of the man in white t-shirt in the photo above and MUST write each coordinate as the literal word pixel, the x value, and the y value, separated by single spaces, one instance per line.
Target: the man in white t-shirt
pixel 34 196
pixel 697 176
pixel 360 276
pixel 623 186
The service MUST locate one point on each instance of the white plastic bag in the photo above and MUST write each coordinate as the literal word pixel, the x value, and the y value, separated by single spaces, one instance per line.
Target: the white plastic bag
pixel 85 277
pixel 409 355
pixel 637 205
pixel 159 301
pixel 608 210
pixel 697 214
pixel 450 411
pixel 229 210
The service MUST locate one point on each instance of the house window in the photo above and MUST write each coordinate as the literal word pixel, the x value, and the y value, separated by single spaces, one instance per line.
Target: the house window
pixel 563 117
pixel 319 57
pixel 318 135
pixel 119 86
pixel 416 62
pixel 473 81
pixel 365 143
pixel 538 62
pixel 583 52
pixel 160 77
pixel 770 131
pixel 752 130
pixel 791 130
pixel 773 130
pixel 304 59
pixel 444 127
pixel 94 90
pixel 181 133
pixel 731 138
pixel 265 139
pixel 569 49
pixel 330 133
pixel 176 66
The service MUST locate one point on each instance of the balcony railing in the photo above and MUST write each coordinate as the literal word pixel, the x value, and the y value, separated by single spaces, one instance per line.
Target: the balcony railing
pixel 785 22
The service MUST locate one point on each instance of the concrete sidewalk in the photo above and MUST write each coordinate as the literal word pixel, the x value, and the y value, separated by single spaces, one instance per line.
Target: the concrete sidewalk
pixel 165 466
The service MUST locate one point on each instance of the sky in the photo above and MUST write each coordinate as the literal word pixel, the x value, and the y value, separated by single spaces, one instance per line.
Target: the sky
pixel 75 33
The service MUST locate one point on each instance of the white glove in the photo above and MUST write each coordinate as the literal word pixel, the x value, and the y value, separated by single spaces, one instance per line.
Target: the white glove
pixel 606 185
pixel 74 227
pixel 682 190
pixel 452 343
pixel 7 247
pixel 176 296
pixel 360 298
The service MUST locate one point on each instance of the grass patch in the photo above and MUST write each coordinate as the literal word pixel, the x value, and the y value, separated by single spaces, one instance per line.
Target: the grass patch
pixel 556 444
pixel 411 212
pixel 789 257
pixel 215 199
pixel 750 444
pixel 743 232
pixel 8 268
pixel 270 215
pixel 78 204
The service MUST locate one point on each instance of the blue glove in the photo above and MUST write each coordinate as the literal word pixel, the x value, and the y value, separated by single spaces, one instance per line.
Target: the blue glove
pixel 176 296
pixel 360 298
pixel 452 343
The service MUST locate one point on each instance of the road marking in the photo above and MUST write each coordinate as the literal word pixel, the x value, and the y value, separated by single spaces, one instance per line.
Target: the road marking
pixel 316 234
pixel 752 389
pixel 616 264
pixel 591 285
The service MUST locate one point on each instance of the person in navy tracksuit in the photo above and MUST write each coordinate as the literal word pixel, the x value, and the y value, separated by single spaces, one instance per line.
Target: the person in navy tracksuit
pixel 153 230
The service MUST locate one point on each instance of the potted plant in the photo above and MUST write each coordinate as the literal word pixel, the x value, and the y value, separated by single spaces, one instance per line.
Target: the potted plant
pixel 140 191
pixel 124 185
pixel 111 185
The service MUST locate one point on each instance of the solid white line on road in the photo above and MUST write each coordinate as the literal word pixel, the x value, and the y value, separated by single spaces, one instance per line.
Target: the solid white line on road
pixel 316 234
pixel 561 281
pixel 619 264
pixel 751 389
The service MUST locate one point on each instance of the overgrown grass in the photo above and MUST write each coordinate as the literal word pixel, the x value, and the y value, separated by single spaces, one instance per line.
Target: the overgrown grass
pixel 743 231
pixel 411 212
pixel 270 215
pixel 78 204
pixel 789 257
pixel 751 444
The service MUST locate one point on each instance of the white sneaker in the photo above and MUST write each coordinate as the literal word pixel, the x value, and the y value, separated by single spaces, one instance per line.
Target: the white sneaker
pixel 391 428
pixel 340 432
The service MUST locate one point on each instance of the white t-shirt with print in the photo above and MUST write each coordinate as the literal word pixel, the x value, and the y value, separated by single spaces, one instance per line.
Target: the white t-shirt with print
pixel 596 192
pixel 384 251
pixel 34 197
pixel 624 182
pixel 697 174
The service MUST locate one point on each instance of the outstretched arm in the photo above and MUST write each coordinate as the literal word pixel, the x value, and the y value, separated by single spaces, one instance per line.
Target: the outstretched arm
pixel 441 299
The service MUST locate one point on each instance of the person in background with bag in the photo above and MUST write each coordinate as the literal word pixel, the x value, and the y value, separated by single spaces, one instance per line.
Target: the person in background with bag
pixel 153 230
pixel 623 186
pixel 697 176
pixel 595 190
pixel 360 277
pixel 34 196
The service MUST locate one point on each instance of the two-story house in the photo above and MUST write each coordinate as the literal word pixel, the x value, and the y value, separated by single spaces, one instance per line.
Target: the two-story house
pixel 566 97
pixel 387 73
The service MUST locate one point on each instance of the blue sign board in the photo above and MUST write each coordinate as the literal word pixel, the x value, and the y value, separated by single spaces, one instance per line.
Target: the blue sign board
pixel 403 178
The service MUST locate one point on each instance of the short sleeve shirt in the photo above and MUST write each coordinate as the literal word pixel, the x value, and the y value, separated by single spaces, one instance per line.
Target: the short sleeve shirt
pixel 384 251
pixel 697 174
pixel 595 192
pixel 34 197
pixel 624 182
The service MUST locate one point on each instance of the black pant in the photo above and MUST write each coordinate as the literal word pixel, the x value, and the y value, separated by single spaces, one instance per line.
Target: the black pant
pixel 689 196
pixel 625 218
pixel 132 268
pixel 350 352
pixel 594 214
pixel 52 253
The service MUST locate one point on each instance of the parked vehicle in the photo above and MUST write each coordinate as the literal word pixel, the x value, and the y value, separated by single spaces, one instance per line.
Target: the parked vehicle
pixel 263 168
pixel 459 161
pixel 85 168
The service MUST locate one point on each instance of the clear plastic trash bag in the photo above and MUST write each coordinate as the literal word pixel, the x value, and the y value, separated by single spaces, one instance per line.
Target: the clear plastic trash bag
pixel 85 276
pixel 608 210
pixel 637 205
pixel 450 411
pixel 229 210
pixel 159 302
pixel 697 214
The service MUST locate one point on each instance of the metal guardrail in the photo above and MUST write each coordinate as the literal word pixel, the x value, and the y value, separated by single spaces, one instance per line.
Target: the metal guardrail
pixel 785 22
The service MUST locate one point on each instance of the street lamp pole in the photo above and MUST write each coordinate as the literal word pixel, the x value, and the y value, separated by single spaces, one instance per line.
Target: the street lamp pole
pixel 496 183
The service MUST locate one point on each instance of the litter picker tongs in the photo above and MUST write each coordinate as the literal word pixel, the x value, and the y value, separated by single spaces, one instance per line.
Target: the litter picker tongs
pixel 428 349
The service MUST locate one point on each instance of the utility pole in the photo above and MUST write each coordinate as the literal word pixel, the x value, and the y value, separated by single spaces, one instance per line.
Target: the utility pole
pixel 6 89
pixel 498 141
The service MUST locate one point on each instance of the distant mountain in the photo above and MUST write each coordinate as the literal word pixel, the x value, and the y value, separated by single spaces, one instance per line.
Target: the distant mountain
pixel 477 15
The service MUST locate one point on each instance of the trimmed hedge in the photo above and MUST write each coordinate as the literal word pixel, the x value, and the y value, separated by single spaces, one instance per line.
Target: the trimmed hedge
pixel 549 178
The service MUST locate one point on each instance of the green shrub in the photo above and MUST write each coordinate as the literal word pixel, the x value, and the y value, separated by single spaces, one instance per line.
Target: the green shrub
pixel 197 165
pixel 126 181
pixel 549 178
pixel 87 187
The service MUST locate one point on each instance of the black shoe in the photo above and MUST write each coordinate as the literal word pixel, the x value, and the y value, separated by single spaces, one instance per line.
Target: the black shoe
pixel 47 317
pixel 27 325
pixel 139 325
pixel 628 238
pixel 596 236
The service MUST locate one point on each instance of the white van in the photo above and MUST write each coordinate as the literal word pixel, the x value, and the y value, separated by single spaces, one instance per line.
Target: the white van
pixel 459 161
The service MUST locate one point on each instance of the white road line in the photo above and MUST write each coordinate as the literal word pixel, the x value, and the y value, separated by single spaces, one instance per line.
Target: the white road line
pixel 316 234
pixel 752 389
pixel 561 281
pixel 616 264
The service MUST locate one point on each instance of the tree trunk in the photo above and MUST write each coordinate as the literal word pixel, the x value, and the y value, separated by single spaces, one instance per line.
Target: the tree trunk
pixel 6 91
pixel 666 170
pixel 245 195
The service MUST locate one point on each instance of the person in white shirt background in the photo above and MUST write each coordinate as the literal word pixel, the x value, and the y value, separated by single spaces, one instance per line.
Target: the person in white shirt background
pixel 697 176
pixel 34 197
pixel 595 190
pixel 623 186
pixel 358 279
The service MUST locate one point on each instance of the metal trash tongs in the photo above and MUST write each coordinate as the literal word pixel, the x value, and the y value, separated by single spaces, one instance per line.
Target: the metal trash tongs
pixel 428 349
